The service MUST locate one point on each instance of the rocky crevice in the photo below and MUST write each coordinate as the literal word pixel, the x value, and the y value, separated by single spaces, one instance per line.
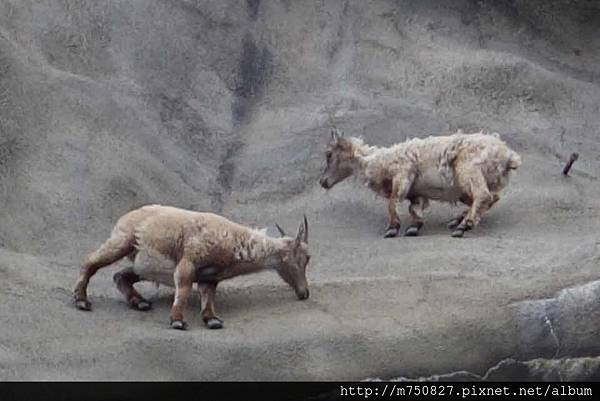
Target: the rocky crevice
pixel 571 318
pixel 539 369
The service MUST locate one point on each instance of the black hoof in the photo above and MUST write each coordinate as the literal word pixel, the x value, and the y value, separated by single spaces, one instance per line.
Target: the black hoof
pixel 142 306
pixel 452 224
pixel 178 325
pixel 83 304
pixel 391 232
pixel 413 230
pixel 458 233
pixel 213 323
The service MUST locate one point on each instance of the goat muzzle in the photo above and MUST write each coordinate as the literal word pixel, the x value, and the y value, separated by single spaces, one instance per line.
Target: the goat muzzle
pixel 324 183
pixel 303 295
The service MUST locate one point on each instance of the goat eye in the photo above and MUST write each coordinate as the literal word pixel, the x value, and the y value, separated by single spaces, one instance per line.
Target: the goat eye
pixel 328 155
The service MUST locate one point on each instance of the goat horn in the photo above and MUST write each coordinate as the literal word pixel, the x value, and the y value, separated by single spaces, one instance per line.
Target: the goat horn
pixel 305 229
pixel 280 230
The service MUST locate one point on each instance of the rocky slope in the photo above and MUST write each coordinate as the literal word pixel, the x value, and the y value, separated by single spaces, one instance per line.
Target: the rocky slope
pixel 226 106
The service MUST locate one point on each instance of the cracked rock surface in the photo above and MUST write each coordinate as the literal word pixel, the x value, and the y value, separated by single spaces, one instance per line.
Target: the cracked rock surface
pixel 539 369
pixel 553 328
pixel 226 106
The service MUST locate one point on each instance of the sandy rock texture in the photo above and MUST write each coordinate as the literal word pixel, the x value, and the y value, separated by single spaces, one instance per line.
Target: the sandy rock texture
pixel 226 106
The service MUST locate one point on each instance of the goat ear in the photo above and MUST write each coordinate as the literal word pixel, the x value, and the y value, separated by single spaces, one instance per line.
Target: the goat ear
pixel 303 231
pixel 335 135
pixel 280 230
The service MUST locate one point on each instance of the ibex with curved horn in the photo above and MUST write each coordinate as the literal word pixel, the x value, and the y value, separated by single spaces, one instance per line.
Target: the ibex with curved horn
pixel 178 247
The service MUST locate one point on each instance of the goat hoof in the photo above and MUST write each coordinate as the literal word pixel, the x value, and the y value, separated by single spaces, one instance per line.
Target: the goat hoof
pixel 413 229
pixel 391 232
pixel 83 304
pixel 452 224
pixel 142 306
pixel 411 232
pixel 458 233
pixel 214 323
pixel 178 325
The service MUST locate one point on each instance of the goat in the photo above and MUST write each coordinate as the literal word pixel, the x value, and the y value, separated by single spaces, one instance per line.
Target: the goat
pixel 470 168
pixel 178 247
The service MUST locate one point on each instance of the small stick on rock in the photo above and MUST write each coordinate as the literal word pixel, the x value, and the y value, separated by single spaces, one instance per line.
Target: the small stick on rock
pixel 572 159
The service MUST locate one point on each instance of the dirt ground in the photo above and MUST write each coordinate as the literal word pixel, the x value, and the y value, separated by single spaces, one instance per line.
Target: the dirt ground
pixel 226 106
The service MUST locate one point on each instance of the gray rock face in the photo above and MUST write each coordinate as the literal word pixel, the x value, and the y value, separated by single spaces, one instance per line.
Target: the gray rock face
pixel 554 327
pixel 567 369
pixel 226 106
pixel 539 369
